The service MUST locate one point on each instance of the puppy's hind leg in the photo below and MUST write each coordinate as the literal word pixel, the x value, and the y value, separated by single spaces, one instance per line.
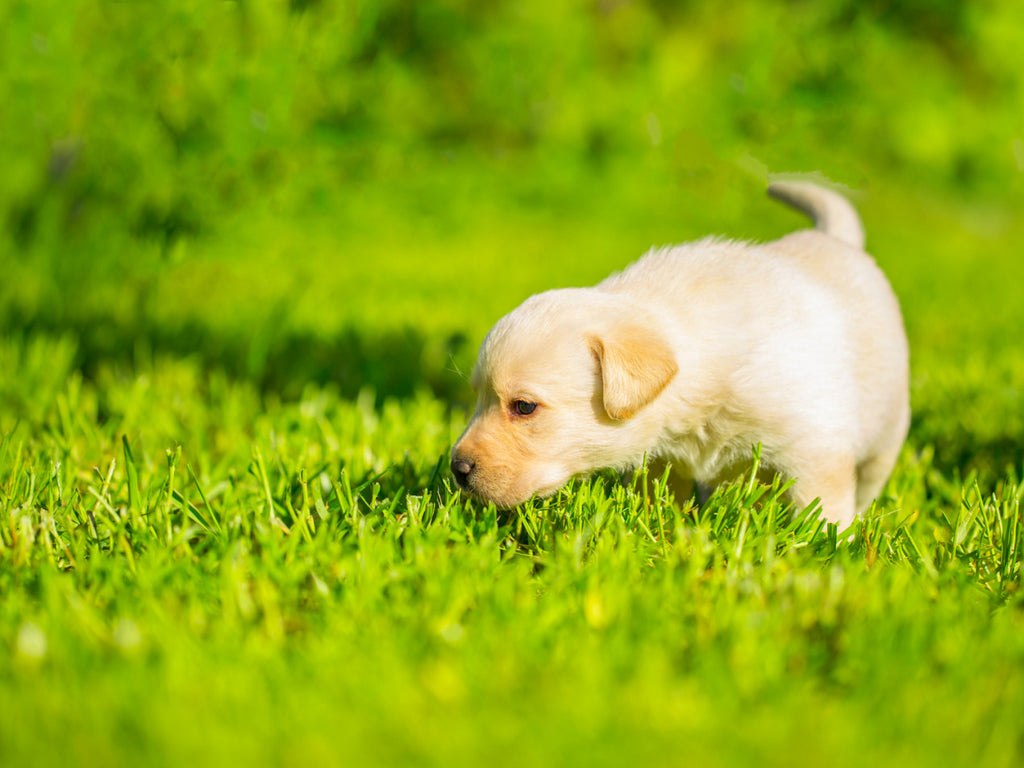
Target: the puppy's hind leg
pixel 832 478
pixel 872 474
pixel 874 470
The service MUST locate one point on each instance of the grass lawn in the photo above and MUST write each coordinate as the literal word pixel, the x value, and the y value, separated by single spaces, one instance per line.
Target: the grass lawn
pixel 195 569
pixel 227 529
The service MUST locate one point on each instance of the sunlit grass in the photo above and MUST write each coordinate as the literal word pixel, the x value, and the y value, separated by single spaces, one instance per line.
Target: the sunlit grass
pixel 297 581
pixel 247 254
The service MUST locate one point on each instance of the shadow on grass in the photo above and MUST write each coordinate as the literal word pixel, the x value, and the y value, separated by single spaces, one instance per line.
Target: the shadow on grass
pixel 989 455
pixel 393 364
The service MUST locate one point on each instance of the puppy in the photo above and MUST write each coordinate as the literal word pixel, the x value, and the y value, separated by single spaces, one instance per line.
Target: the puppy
pixel 694 354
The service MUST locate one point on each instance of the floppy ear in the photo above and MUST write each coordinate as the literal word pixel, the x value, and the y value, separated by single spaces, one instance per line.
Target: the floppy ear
pixel 636 365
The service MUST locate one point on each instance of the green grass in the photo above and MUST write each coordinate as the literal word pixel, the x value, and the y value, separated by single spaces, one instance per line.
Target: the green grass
pixel 296 583
pixel 195 568
pixel 248 251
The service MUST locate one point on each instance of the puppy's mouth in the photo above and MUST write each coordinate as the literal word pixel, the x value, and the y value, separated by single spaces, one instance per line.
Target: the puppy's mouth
pixel 476 485
pixel 501 500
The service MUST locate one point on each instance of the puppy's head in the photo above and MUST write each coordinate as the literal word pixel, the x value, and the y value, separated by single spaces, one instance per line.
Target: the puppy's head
pixel 563 383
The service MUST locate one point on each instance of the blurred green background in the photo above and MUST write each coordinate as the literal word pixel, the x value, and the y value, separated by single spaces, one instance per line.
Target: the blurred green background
pixel 353 192
pixel 247 253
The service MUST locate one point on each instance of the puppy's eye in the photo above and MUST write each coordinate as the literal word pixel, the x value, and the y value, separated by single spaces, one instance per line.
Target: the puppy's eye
pixel 523 407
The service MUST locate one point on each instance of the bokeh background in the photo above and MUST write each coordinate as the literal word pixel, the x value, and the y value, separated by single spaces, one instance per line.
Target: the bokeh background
pixel 247 253
pixel 354 191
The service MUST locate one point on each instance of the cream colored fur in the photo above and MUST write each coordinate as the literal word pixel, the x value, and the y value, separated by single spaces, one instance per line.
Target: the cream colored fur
pixel 695 353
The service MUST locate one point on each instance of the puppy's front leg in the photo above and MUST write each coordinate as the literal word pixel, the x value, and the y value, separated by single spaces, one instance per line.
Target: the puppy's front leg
pixel 680 483
pixel 832 478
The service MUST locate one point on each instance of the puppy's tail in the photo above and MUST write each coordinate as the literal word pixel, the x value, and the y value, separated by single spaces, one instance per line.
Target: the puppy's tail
pixel 832 213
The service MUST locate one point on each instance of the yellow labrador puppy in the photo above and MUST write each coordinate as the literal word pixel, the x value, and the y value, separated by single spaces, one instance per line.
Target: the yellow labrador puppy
pixel 694 354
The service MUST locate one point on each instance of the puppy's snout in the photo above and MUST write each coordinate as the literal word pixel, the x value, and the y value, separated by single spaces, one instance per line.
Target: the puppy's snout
pixel 462 469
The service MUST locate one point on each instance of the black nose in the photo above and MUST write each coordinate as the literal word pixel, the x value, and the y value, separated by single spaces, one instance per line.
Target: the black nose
pixel 461 469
